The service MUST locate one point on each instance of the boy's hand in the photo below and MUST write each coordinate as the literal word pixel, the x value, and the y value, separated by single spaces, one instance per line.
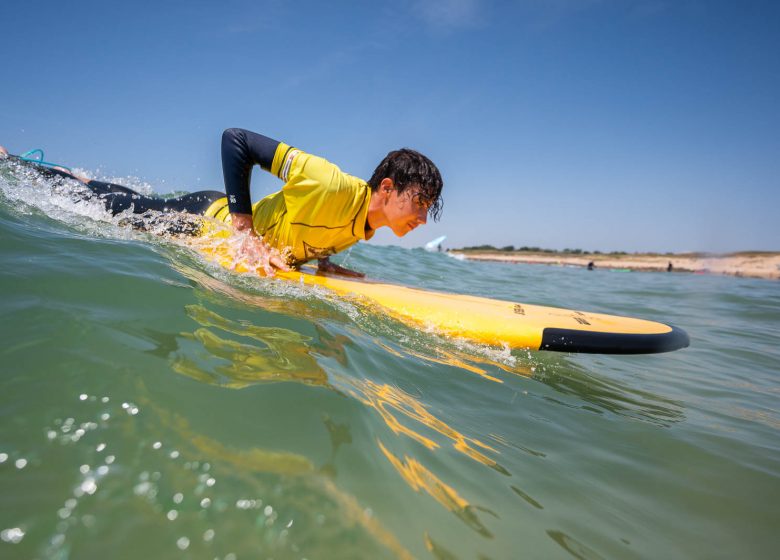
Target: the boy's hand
pixel 255 252
pixel 324 265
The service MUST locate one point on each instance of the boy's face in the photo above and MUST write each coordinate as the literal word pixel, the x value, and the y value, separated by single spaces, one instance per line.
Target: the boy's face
pixel 404 211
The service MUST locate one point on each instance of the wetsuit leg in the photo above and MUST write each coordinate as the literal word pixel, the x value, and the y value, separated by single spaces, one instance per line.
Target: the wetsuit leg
pixel 194 203
pixel 170 215
pixel 43 170
pixel 118 198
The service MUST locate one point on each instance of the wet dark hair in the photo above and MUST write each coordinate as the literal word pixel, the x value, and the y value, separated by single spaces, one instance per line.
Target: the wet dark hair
pixel 409 168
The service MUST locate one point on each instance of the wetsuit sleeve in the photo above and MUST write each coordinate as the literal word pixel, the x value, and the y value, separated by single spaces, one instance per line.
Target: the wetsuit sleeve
pixel 241 150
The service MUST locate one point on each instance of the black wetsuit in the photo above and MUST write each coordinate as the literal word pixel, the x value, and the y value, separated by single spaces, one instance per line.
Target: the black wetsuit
pixel 117 198
pixel 241 150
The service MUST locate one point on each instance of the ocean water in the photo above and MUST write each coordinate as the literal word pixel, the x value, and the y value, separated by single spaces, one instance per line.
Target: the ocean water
pixel 153 405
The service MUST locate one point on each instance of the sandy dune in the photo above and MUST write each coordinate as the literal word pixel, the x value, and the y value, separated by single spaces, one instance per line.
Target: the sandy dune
pixel 754 265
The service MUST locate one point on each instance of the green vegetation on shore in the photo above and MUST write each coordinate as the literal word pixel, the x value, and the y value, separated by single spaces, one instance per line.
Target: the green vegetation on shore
pixel 576 252
pixel 513 249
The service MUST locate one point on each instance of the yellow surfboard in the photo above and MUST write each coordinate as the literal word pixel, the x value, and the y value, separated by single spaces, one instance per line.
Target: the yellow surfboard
pixel 491 321
pixel 498 322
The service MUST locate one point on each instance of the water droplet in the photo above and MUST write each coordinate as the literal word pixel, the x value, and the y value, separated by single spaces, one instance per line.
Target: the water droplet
pixel 178 497
pixel 13 535
pixel 211 482
pixel 21 463
pixel 102 470
pixel 174 455
pixel 183 543
pixel 110 459
pixel 83 397
pixel 157 445
pixel 208 536
pixel 205 502
pixel 172 515
pixel 100 447
pixel 104 400
pixel 89 486
pixel 84 469
pixel 4 457
pixel 268 510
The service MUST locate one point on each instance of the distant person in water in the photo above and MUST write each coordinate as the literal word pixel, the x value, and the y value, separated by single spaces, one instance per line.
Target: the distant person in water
pixel 669 268
pixel 591 265
pixel 319 211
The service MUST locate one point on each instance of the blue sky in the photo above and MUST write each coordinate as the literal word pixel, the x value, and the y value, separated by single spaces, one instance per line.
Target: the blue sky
pixel 600 124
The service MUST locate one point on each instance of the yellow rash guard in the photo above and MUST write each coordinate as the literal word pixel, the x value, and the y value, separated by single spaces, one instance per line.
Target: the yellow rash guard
pixel 320 210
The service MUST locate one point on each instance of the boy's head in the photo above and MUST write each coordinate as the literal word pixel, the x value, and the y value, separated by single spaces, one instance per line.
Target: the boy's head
pixel 415 178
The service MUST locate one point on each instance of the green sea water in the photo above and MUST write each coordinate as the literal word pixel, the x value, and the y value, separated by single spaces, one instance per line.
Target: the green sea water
pixel 153 405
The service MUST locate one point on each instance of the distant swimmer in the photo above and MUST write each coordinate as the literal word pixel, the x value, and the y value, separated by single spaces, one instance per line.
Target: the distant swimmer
pixel 591 265
pixel 319 211
pixel 670 267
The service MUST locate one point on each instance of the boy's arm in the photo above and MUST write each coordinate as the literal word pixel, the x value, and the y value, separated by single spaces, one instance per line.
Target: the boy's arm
pixel 242 150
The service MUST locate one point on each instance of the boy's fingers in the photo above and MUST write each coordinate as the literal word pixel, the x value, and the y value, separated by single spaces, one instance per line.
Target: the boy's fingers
pixel 279 263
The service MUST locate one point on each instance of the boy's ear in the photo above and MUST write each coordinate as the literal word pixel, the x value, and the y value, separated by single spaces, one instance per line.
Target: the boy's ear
pixel 386 185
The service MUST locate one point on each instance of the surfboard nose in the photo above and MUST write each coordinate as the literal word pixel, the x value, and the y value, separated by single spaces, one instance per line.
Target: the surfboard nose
pixel 591 342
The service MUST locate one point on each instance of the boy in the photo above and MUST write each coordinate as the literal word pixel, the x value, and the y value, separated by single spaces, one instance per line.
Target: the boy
pixel 319 211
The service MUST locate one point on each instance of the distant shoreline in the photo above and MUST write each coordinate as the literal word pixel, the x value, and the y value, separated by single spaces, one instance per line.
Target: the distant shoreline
pixel 750 264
